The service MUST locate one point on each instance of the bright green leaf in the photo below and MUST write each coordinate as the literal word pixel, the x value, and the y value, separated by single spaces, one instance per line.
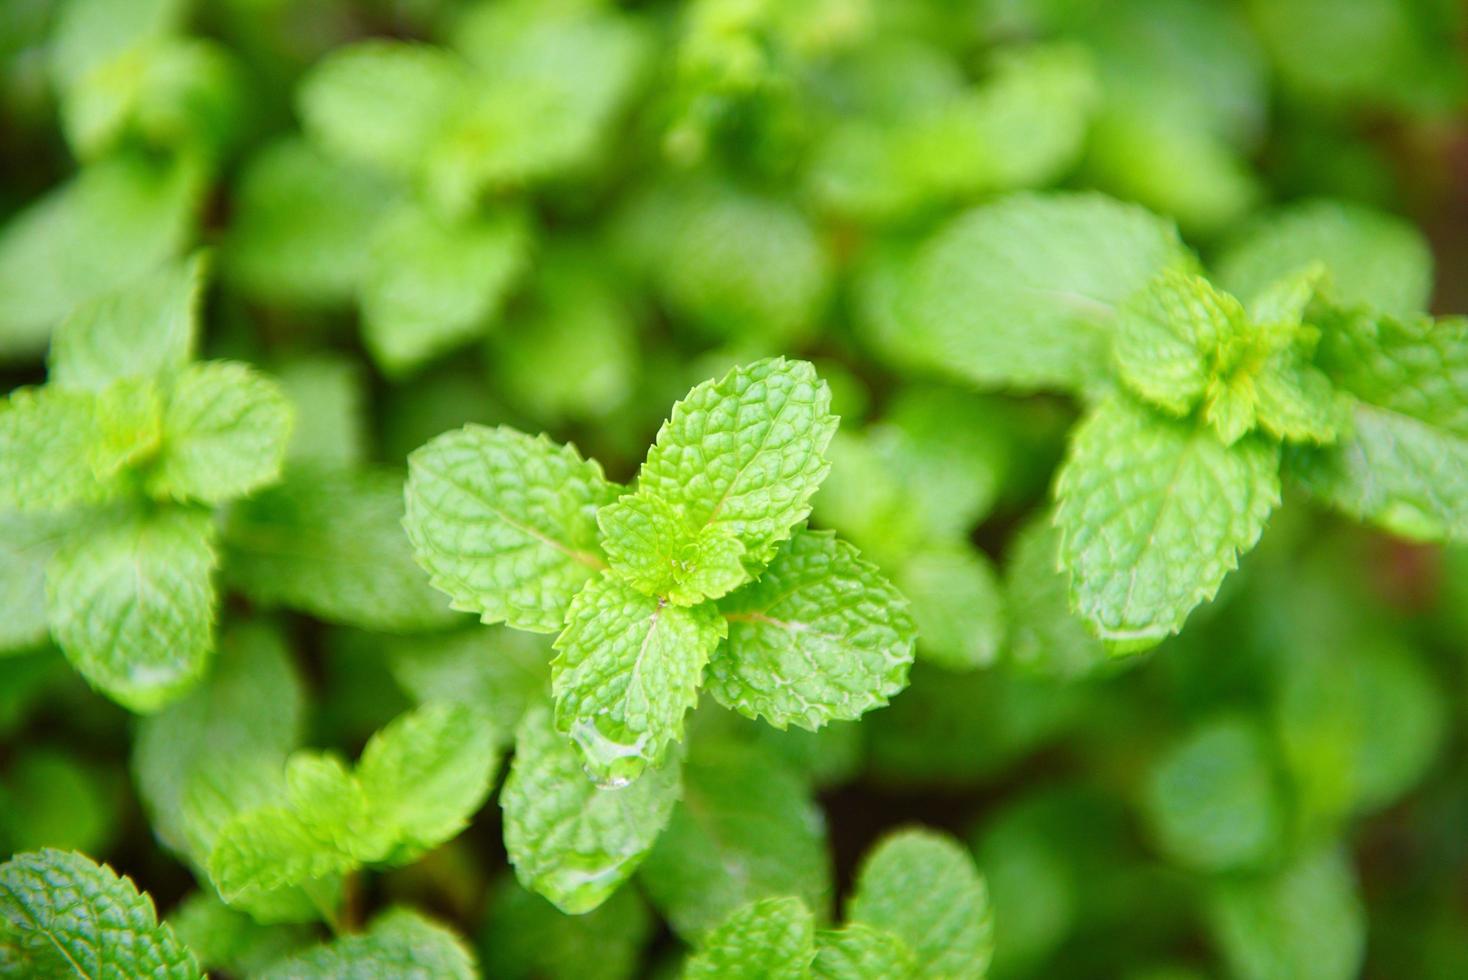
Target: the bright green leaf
pixel 652 546
pixel 773 938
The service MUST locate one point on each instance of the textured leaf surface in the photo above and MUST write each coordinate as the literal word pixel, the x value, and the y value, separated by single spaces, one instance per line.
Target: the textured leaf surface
pixel 54 450
pixel 821 636
pixel 505 524
pixel 858 951
pixel 147 329
pixel 774 938
pixel 426 773
pixel 627 669
pixel 400 943
pixel 225 432
pixel 570 840
pixel 1164 334
pixel 1153 514
pixel 655 549
pixel 132 604
pixel 745 829
pixel 1017 293
pixel 1372 259
pixel 746 452
pixel 251 705
pixel 431 285
pixel 67 916
pixel 923 887
pixel 331 543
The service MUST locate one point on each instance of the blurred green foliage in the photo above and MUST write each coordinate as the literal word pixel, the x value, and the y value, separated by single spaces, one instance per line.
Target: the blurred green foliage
pixel 560 215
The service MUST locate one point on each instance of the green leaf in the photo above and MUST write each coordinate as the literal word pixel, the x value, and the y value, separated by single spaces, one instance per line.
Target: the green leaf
pixel 568 839
pixel 505 524
pixel 1165 334
pixel 1213 801
pixel 1304 922
pixel 55 452
pixel 301 226
pixel 746 828
pixel 746 452
pixel 1153 513
pixel 652 546
pixel 226 940
pixel 1372 259
pixel 131 604
pixel 399 943
pixel 250 706
pixel 225 432
pixel 330 543
pixel 499 671
pixel 1045 636
pixel 1019 293
pixel 527 938
pixel 923 887
pixel 63 915
pixel 821 636
pixel 52 258
pixel 774 938
pixel 858 951
pixel 27 542
pixel 431 285
pixel 627 669
pixel 148 328
pixel 382 103
pixel 426 774
pixel 956 606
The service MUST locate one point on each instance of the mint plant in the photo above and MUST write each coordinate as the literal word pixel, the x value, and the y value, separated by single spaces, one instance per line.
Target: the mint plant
pixel 125 449
pixel 645 586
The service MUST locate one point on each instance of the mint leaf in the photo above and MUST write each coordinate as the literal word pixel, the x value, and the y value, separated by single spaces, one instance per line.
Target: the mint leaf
pixel 527 937
pixel 147 329
pixel 55 452
pixel 250 706
pixel 652 546
pixel 858 951
pixel 61 915
pixel 27 542
pixel 497 670
pixel 627 669
pixel 430 285
pixel 382 103
pixel 131 604
pixel 774 938
pixel 263 851
pixel 923 887
pixel 820 637
pixel 1153 513
pixel 1019 293
pixel 399 943
pixel 745 829
pixel 426 773
pixel 302 226
pixel 225 432
pixel 331 543
pixel 52 258
pixel 1165 334
pixel 953 595
pixel 505 524
pixel 568 839
pixel 1305 921
pixel 1213 800
pixel 1372 259
pixel 746 452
